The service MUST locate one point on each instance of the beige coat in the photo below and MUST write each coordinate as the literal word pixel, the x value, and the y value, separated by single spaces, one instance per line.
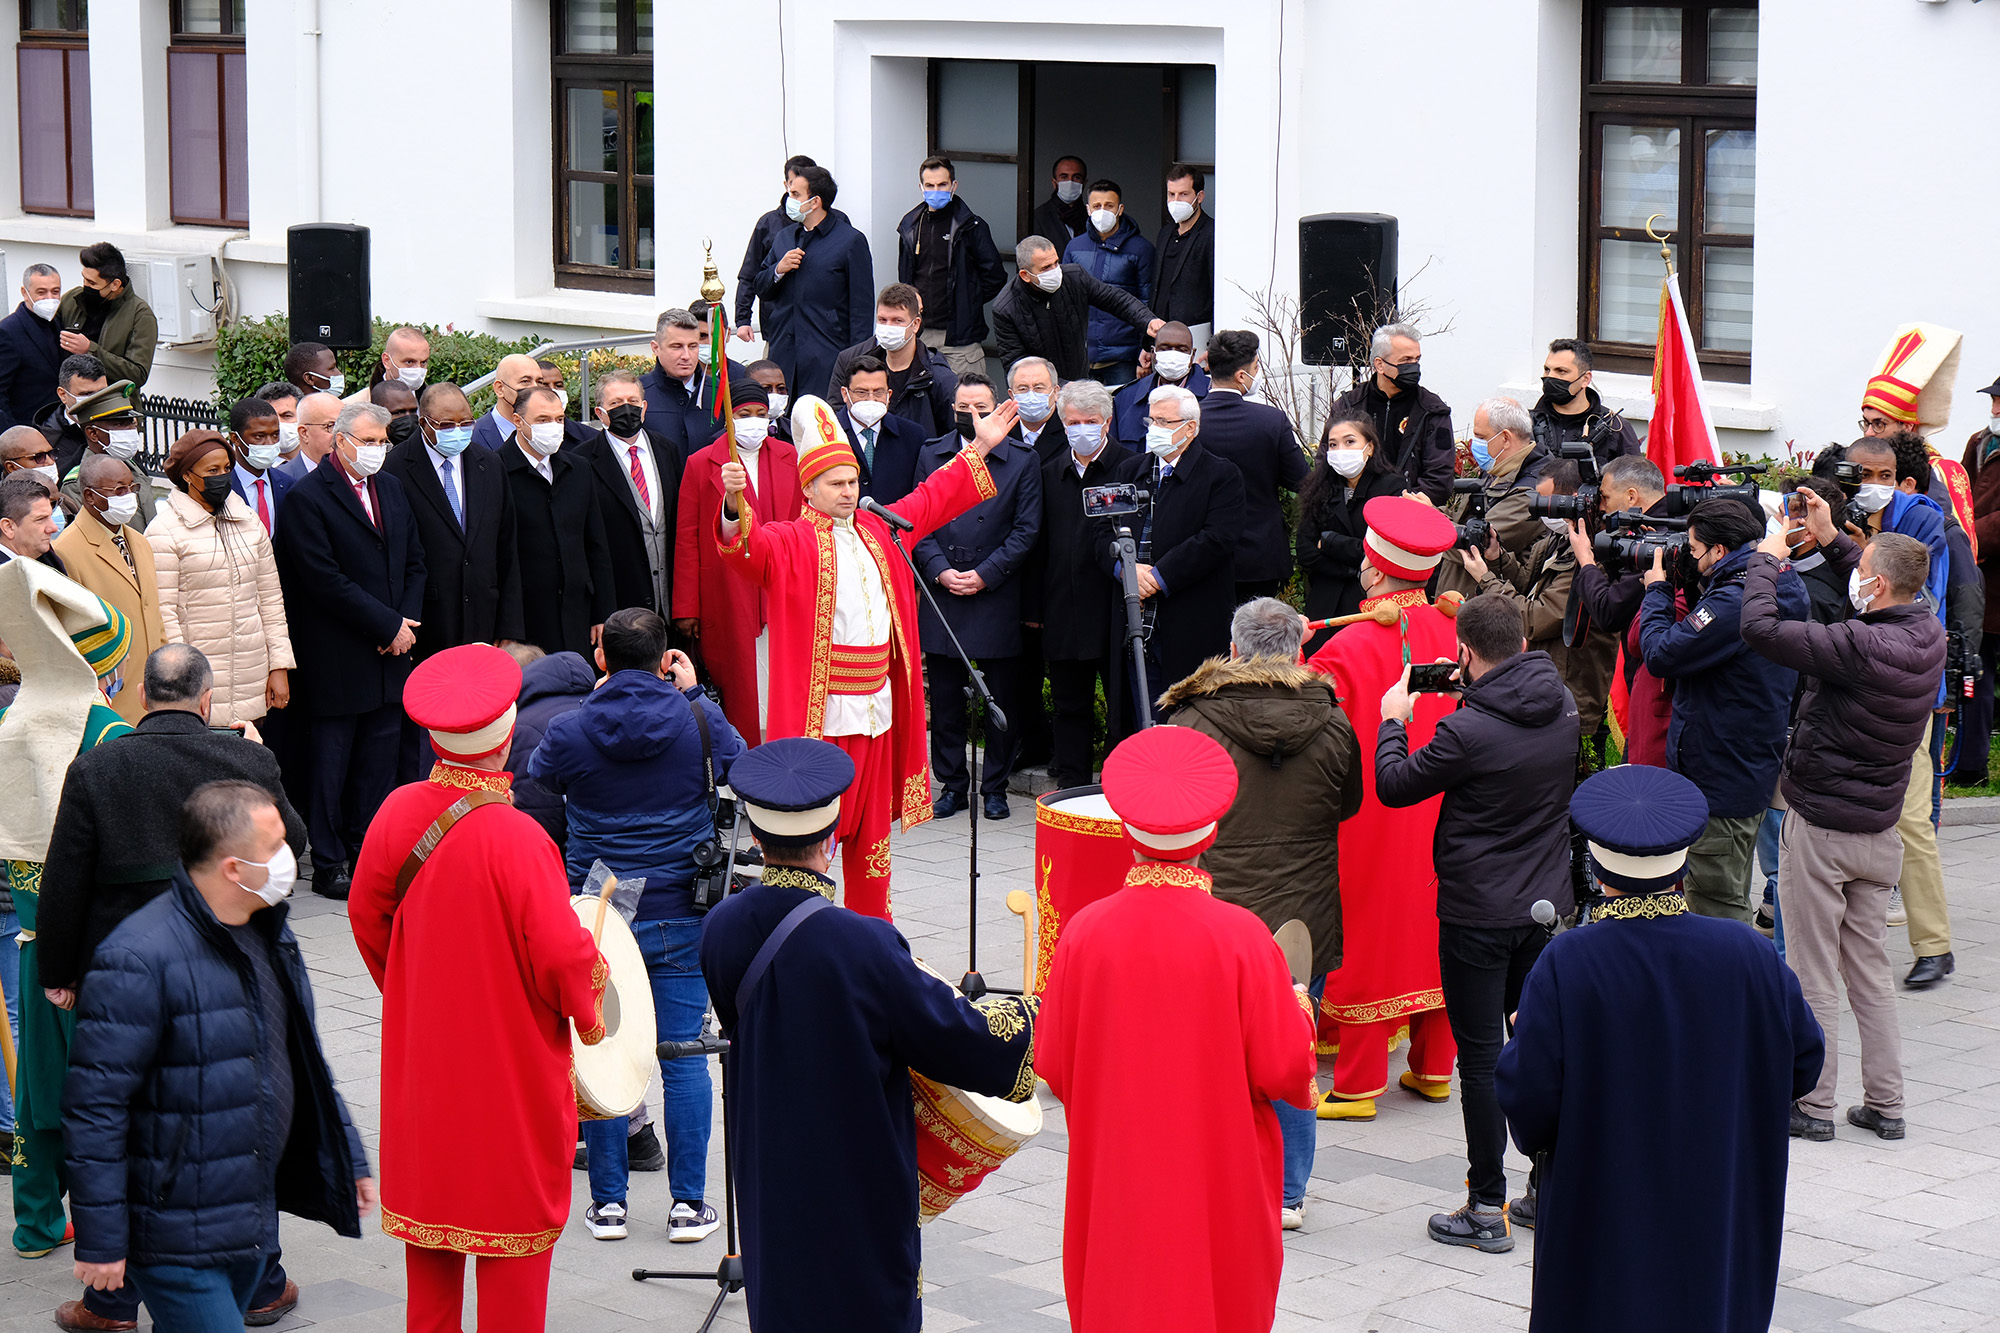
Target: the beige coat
pixel 219 593
pixel 91 555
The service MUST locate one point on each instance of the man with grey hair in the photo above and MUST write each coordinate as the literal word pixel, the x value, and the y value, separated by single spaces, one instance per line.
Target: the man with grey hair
pixel 1413 423
pixel 352 566
pixel 1045 310
pixel 1503 443
pixel 679 384
pixel 30 349
pixel 1298 774
pixel 1032 383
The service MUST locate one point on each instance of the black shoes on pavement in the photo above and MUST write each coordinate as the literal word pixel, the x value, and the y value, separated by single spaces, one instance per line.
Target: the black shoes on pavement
pixel 996 806
pixel 1872 1120
pixel 948 803
pixel 1810 1127
pixel 1930 971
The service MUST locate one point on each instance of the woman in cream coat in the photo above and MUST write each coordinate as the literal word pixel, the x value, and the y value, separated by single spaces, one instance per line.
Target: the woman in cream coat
pixel 218 582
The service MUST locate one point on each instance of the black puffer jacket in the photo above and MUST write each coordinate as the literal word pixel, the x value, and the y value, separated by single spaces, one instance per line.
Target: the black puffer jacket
pixel 163 1107
pixel 1415 433
pixel 1870 683
pixel 1028 321
pixel 1505 760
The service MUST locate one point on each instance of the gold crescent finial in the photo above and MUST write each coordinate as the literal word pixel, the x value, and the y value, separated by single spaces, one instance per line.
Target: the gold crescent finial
pixel 1666 251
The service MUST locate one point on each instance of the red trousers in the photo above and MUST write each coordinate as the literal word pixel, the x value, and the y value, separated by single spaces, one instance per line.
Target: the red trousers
pixel 1362 1067
pixel 513 1293
pixel 866 813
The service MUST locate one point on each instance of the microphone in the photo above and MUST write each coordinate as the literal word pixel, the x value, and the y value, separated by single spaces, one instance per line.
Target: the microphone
pixel 1544 913
pixel 705 1045
pixel 889 516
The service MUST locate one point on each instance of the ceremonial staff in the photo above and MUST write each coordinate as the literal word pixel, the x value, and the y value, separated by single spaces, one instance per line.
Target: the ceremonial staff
pixel 712 291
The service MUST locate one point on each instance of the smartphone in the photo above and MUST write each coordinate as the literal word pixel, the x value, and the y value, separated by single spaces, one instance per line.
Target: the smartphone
pixel 1795 505
pixel 1434 678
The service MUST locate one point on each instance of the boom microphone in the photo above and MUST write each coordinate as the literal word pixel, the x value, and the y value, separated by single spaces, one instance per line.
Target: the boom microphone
pixel 704 1045
pixel 1544 913
pixel 889 516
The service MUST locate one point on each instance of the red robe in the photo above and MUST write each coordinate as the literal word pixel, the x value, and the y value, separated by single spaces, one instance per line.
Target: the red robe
pixel 794 564
pixel 1171 1222
pixel 1388 890
pixel 482 968
pixel 730 620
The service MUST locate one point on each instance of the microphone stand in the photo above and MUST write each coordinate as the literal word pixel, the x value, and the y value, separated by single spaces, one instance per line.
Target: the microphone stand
pixel 1135 630
pixel 972 985
pixel 728 1275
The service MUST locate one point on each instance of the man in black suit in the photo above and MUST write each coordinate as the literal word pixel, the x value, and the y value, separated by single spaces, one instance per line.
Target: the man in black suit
pixel 1187 533
pixel 637 474
pixel 1258 438
pixel 353 573
pixel 1184 254
pixel 254 446
pixel 1061 216
pixel 30 350
pixel 1065 597
pixel 567 587
pixel 758 252
pixel 679 385
pixel 886 444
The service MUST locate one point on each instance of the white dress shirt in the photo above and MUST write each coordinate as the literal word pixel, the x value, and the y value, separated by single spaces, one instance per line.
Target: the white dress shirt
pixel 861 619
pixel 625 448
pixel 538 461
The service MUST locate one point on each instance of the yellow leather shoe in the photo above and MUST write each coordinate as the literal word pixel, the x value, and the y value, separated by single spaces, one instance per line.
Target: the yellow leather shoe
pixel 1430 1091
pixel 1332 1107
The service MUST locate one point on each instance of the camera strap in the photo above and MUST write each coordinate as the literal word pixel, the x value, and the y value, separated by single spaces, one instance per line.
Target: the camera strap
pixel 707 759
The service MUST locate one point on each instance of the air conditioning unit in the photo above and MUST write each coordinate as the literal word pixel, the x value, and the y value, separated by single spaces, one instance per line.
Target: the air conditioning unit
pixel 181 289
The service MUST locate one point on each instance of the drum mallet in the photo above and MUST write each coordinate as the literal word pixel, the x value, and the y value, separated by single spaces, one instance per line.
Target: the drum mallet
pixel 1020 902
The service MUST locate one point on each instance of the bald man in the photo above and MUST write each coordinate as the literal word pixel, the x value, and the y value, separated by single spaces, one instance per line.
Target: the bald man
pixel 515 373
pixel 316 412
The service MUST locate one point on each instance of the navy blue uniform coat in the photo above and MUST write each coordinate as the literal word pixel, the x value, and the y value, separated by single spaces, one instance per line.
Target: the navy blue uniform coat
pixel 825 304
pixel 1129 408
pixel 993 539
pixel 1657 1060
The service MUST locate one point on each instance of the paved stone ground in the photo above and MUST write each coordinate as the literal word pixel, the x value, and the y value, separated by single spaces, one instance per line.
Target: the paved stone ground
pixel 1879 1236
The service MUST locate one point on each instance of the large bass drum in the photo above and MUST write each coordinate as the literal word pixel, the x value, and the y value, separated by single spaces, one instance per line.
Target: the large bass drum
pixel 962 1137
pixel 611 1076
pixel 1080 856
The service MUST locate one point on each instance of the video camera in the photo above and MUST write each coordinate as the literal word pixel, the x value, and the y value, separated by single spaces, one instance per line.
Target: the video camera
pixel 1474 532
pixel 1701 485
pixel 1582 506
pixel 1629 539
pixel 1119 498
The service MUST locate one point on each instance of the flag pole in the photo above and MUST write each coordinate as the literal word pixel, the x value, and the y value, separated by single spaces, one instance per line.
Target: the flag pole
pixel 718 360
pixel 1666 251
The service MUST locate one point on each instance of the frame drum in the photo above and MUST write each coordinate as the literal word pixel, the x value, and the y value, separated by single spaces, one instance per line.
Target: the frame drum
pixel 611 1077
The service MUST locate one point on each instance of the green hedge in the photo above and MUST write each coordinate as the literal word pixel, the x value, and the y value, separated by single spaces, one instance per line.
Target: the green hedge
pixel 250 353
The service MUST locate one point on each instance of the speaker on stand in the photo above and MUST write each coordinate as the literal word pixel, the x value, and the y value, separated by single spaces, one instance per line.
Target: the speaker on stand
pixel 326 269
pixel 1347 264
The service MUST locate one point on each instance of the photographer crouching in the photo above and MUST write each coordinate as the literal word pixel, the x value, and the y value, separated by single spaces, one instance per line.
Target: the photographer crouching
pixel 1505 762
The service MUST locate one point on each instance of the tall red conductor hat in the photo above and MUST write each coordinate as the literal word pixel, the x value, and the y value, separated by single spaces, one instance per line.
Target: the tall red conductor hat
pixel 1171 786
pixel 1406 538
pixel 465 697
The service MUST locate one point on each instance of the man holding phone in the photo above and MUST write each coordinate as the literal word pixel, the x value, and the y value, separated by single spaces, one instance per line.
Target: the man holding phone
pixel 1504 762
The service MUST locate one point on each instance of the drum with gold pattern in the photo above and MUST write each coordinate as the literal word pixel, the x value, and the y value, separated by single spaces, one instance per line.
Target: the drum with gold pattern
pixel 611 1076
pixel 962 1136
pixel 1080 856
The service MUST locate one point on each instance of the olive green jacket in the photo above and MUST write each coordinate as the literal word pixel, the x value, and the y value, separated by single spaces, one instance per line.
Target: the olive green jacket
pixel 125 344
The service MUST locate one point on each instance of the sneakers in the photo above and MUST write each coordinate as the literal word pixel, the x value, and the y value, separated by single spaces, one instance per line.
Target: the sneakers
pixel 1332 1107
pixel 690 1222
pixel 1477 1228
pixel 643 1151
pixel 1522 1210
pixel 605 1220
pixel 1431 1090
pixel 1810 1127
pixel 1292 1216
pixel 1882 1126
pixel 1897 916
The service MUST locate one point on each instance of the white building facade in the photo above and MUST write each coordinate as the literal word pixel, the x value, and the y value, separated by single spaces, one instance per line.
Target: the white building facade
pixel 554 166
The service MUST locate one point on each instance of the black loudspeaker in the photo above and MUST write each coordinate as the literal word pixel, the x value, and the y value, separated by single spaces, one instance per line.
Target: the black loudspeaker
pixel 1343 257
pixel 326 264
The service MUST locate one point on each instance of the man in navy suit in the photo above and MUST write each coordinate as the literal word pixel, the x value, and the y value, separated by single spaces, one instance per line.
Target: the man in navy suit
pixel 1258 439
pixel 887 445
pixel 353 572
pixel 255 444
pixel 1173 363
pixel 515 375
pixel 30 351
pixel 818 289
pixel 679 385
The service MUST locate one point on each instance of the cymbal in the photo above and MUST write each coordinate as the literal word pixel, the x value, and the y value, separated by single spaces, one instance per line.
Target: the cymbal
pixel 1295 941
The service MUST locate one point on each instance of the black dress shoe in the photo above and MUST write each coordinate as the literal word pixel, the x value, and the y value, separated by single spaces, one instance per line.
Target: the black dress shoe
pixel 996 806
pixel 1872 1120
pixel 335 888
pixel 1810 1127
pixel 1930 971
pixel 643 1151
pixel 948 804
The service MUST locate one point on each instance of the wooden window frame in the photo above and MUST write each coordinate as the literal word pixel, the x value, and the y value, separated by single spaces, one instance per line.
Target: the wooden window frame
pixel 1696 108
pixel 72 34
pixel 629 71
pixel 1025 192
pixel 230 36
pixel 221 46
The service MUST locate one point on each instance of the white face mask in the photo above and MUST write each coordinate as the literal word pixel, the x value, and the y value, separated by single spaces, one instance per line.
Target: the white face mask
pixel 261 456
pixel 1069 191
pixel 120 509
pixel 288 438
pixel 1173 365
pixel 1103 219
pixel 1557 526
pixel 368 458
pixel 1049 280
pixel 751 431
pixel 1347 462
pixel 1180 210
pixel 121 445
pixel 1854 597
pixel 1160 440
pixel 337 385
pixel 411 375
pixel 892 336
pixel 546 437
pixel 281 872
pixel 779 402
pixel 1871 498
pixel 868 412
pixel 46 308
pixel 48 478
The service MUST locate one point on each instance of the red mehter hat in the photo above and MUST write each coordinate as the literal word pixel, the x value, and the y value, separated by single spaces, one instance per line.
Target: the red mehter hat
pixel 821 442
pixel 464 697
pixel 1406 538
pixel 1171 786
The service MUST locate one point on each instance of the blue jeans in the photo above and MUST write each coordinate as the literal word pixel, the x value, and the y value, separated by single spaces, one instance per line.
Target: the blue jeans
pixel 197 1300
pixel 672 950
pixel 1937 761
pixel 10 982
pixel 1300 1128
pixel 1767 852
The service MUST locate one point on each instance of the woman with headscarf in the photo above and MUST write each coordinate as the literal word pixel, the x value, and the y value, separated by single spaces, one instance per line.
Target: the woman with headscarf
pixel 219 582
pixel 1349 472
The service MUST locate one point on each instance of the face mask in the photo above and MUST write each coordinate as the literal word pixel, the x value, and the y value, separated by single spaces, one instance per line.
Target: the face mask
pixel 1085 441
pixel 546 437
pixel 1172 365
pixel 1034 407
pixel 288 438
pixel 794 210
pixel 562 395
pixel 963 423
pixel 215 492
pixel 121 445
pixel 120 509
pixel 411 375
pixel 401 428
pixel 868 412
pixel 1557 526
pixel 368 459
pixel 260 456
pixel 1347 462
pixel 1069 191
pixel 1160 440
pixel 1409 375
pixel 1049 280
pixel 1482 454
pixel 1560 390
pixel 337 385
pixel 47 476
pixel 46 308
pixel 779 402
pixel 1854 597
pixel 892 336
pixel 624 420
pixel 61 519
pixel 937 199
pixel 452 440
pixel 751 431
pixel 281 872
pixel 1180 210
pixel 1871 498
pixel 1103 219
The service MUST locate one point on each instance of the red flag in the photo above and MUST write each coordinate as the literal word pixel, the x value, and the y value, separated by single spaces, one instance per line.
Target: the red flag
pixel 1681 431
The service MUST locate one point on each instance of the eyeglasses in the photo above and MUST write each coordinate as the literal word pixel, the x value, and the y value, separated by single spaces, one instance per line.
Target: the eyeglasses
pixel 1869 427
pixel 107 495
pixel 1167 425
pixel 34 460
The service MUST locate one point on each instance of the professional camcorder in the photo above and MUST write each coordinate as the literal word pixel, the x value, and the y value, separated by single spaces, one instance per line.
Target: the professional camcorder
pixel 1630 538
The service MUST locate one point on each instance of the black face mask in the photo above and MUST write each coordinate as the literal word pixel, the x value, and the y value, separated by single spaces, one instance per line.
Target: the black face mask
pixel 624 420
pixel 402 428
pixel 215 492
pixel 91 297
pixel 1559 390
pixel 1410 375
pixel 963 423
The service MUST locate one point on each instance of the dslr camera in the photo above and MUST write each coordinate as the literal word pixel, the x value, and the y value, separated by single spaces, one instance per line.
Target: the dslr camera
pixel 1119 498
pixel 1629 539
pixel 1700 484
pixel 1474 532
pixel 711 873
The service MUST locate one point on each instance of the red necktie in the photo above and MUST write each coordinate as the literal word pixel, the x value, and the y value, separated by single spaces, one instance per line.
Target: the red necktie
pixel 639 481
pixel 263 507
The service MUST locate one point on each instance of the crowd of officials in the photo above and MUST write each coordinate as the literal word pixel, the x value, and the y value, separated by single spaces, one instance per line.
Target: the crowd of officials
pixel 282 576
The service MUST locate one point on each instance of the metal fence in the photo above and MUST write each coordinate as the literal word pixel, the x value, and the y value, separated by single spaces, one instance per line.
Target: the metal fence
pixel 164 420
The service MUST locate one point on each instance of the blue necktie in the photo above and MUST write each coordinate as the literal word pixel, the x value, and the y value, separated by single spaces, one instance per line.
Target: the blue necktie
pixel 451 493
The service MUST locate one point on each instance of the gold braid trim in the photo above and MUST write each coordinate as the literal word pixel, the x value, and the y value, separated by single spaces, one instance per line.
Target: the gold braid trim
pixel 1640 907
pixel 1007 1017
pixel 1360 1015
pixel 1157 874
pixel 470 779
pixel 466 1240
pixel 916 804
pixel 821 666
pixel 982 479
pixel 1405 598
pixel 600 972
pixel 794 877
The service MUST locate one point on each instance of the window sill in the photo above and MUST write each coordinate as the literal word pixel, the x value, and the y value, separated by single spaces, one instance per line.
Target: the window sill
pixel 1730 405
pixel 43 229
pixel 576 308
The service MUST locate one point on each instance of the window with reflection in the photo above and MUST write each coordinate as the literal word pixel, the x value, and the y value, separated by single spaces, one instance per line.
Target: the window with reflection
pixel 1670 136
pixel 604 144
pixel 208 137
pixel 52 68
